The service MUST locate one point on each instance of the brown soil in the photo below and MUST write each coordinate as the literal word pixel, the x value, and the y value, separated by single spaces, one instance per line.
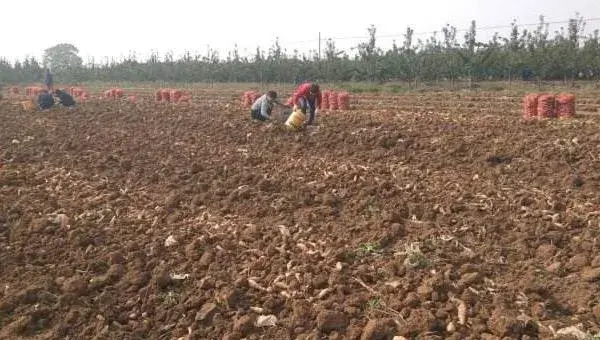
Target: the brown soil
pixel 376 224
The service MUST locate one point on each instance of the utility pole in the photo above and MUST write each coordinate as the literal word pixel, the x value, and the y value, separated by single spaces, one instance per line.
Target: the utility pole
pixel 319 45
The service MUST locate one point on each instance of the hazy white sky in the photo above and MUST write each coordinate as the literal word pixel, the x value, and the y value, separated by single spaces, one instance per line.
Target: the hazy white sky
pixel 116 27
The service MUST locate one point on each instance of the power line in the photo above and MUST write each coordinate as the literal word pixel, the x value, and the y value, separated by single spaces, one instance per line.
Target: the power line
pixel 484 28
pixel 401 35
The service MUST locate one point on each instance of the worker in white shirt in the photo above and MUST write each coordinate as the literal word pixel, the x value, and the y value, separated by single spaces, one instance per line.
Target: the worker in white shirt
pixel 263 106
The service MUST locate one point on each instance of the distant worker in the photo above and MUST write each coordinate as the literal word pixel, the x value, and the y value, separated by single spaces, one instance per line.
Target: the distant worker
pixel 64 98
pixel 263 106
pixel 527 73
pixel 48 80
pixel 45 100
pixel 308 98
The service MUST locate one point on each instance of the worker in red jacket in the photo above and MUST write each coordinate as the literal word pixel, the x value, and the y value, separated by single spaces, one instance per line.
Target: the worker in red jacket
pixel 308 98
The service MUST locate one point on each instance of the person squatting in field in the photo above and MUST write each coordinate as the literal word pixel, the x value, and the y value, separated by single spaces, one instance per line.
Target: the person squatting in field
pixel 64 98
pixel 308 98
pixel 48 80
pixel 263 106
pixel 45 100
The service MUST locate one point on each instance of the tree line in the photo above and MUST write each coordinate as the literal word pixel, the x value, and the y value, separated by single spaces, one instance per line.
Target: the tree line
pixel 566 53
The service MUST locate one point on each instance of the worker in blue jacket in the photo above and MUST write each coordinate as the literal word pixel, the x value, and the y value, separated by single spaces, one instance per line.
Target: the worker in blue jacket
pixel 48 80
pixel 45 100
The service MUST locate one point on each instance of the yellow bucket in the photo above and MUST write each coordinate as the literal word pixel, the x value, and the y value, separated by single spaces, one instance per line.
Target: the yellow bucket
pixel 295 120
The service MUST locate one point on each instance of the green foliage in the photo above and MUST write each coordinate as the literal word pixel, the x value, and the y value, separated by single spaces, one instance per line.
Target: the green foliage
pixel 361 88
pixel 374 303
pixel 62 58
pixel 564 54
pixel 414 257
pixel 368 249
pixel 396 89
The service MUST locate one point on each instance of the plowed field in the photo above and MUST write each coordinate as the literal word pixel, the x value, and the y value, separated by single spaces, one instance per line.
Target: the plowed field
pixel 427 216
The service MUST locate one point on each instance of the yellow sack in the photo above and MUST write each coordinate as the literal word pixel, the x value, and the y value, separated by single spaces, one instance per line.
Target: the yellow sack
pixel 28 105
pixel 295 120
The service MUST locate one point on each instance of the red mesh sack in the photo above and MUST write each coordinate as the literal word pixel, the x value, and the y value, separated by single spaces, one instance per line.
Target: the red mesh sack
pixel 249 98
pixel 113 93
pixel 76 91
pixel 32 90
pixel 546 106
pixel 158 96
pixel 176 95
pixel 109 94
pixel 333 102
pixel 325 103
pixel 565 105
pixel 343 101
pixel 165 95
pixel 243 99
pixel 530 106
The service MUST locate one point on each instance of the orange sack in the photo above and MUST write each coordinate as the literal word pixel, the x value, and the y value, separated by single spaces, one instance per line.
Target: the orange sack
pixel 530 106
pixel 546 108
pixel 333 101
pixel 565 105
pixel 344 101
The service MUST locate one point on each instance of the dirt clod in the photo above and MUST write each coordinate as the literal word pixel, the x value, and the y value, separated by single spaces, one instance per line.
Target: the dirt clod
pixel 420 321
pixel 378 329
pixel 328 321
pixel 411 300
pixel 471 278
pixel 205 312
pixel 503 324
pixel 75 285
pixel 590 274
pixel 578 262
pixel 244 325
pixel 162 278
pixel 117 257
pixel 545 251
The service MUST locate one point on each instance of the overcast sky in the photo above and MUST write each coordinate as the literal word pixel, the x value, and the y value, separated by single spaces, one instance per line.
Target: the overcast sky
pixel 113 28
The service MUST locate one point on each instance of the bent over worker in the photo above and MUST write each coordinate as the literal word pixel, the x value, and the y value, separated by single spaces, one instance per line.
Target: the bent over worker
pixel 45 100
pixel 308 98
pixel 263 106
pixel 64 98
